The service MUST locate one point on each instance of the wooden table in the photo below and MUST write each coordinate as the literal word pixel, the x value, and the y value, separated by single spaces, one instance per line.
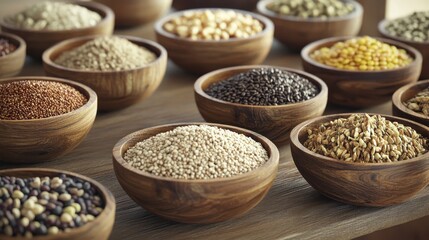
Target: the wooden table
pixel 292 209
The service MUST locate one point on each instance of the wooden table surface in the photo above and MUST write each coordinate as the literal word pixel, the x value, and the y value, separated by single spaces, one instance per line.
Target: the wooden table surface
pixel 291 210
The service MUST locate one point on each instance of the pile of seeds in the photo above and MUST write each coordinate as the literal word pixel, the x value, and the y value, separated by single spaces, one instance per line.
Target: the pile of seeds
pixel 6 47
pixel 214 25
pixel 362 54
pixel 55 16
pixel 35 99
pixel 366 139
pixel 197 152
pixel 46 206
pixel 106 54
pixel 419 103
pixel 414 27
pixel 311 8
pixel 264 87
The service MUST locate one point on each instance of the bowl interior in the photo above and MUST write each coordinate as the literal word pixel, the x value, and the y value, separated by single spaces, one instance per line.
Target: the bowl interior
pixel 12 39
pixel 408 93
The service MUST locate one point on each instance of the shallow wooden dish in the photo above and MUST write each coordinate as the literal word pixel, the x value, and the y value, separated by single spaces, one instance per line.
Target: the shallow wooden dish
pixel 45 139
pixel 362 184
pixel 201 56
pixel 274 122
pixel 100 228
pixel 12 63
pixel 115 89
pixel 404 94
pixel 235 4
pixel 361 89
pixel 296 32
pixel 195 201
pixel 39 41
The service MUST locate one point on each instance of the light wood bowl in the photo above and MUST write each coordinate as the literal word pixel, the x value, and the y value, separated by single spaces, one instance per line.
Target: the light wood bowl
pixel 131 13
pixel 234 4
pixel 40 40
pixel 296 32
pixel 115 89
pixel 422 47
pixel 201 56
pixel 195 201
pixel 404 94
pixel 361 89
pixel 102 225
pixel 274 122
pixel 362 184
pixel 11 64
pixel 45 139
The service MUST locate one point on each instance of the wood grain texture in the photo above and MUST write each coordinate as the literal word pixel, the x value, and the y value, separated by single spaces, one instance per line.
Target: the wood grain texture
pixel 38 140
pixel 201 56
pixel 11 64
pixel 195 201
pixel 360 89
pixel 99 229
pixel 274 122
pixel 115 89
pixel 234 4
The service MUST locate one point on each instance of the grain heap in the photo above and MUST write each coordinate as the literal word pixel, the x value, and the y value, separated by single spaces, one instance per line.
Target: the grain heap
pixel 323 9
pixel 6 47
pixel 414 27
pixel 419 103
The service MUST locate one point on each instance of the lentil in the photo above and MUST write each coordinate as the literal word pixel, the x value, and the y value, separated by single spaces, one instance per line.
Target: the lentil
pixel 366 139
pixel 197 152
pixel 35 99
pixel 311 8
pixel 214 25
pixel 264 87
pixel 414 27
pixel 419 103
pixel 6 47
pixel 362 54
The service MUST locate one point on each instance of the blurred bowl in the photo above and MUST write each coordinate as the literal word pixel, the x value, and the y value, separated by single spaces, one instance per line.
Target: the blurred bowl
pixel 234 4
pixel 12 63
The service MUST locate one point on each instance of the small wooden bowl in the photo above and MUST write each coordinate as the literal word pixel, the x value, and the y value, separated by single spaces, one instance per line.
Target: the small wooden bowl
pixel 234 4
pixel 11 64
pixel 296 32
pixel 40 40
pixel 274 122
pixel 195 201
pixel 361 89
pixel 45 139
pixel 362 184
pixel 404 94
pixel 102 225
pixel 115 89
pixel 201 56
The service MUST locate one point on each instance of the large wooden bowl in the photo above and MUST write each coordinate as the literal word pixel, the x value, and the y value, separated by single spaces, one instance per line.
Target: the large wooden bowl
pixel 45 139
pixel 12 63
pixel 115 89
pixel 201 56
pixel 362 184
pixel 40 40
pixel 195 201
pixel 296 32
pixel 234 4
pixel 274 122
pixel 361 89
pixel 102 225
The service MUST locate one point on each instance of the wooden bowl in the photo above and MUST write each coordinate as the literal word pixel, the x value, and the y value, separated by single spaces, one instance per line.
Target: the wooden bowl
pixel 195 201
pixel 130 13
pixel 296 32
pixel 361 89
pixel 422 47
pixel 274 122
pixel 40 40
pixel 362 184
pixel 201 56
pixel 404 94
pixel 115 89
pixel 234 4
pixel 12 63
pixel 45 139
pixel 102 225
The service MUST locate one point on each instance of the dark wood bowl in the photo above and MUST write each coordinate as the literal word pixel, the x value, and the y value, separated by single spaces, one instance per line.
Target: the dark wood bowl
pixel 362 184
pixel 274 122
pixel 11 64
pixel 195 201
pixel 234 4
pixel 102 225
pixel 361 89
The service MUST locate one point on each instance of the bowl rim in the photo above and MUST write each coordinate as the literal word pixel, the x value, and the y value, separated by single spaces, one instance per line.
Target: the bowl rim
pixel 397 96
pixel 92 96
pixel 311 47
pixel 297 143
pixel 273 159
pixel 110 202
pixel 21 47
pixel 382 30
pixel 312 78
pixel 159 29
